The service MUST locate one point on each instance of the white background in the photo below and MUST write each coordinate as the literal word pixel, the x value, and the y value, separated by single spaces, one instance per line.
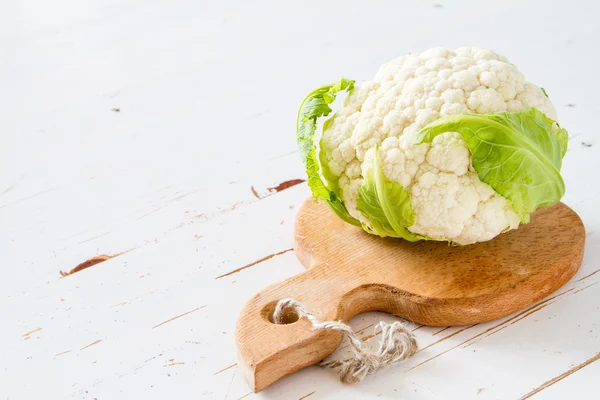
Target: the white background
pixel 207 93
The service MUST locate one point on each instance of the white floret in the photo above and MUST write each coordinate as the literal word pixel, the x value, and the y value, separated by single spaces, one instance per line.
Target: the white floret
pixel 449 153
pixel 449 200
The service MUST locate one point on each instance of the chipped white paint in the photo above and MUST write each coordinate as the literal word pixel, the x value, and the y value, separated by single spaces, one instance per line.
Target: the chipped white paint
pixel 206 94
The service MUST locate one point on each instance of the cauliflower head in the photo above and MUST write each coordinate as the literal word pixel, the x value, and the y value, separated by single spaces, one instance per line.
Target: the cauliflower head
pixel 447 145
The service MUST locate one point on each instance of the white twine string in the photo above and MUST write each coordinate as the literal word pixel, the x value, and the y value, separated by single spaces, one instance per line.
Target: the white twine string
pixel 397 343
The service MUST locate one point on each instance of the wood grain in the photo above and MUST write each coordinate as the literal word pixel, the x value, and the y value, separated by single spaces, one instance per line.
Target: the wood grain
pixel 431 283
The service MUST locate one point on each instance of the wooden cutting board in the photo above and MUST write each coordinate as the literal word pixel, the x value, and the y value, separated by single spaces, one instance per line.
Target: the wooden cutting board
pixel 431 283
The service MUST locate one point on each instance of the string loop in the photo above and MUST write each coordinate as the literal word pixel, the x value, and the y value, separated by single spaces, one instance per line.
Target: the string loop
pixel 397 343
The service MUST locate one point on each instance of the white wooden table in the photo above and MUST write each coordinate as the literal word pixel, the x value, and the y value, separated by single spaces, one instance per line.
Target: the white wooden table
pixel 141 127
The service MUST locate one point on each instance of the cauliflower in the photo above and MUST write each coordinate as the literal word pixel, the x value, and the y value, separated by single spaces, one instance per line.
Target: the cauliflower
pixel 448 145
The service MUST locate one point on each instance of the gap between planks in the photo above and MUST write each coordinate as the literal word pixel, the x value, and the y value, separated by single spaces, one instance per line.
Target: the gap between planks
pixel 254 263
pixel 179 316
pixel 225 369
pixel 91 344
pixel 561 376
pixel 587 276
pixel 307 395
pixel 441 330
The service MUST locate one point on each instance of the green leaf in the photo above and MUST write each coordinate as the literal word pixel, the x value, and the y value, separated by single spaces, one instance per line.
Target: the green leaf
pixel 545 93
pixel 331 179
pixel 386 204
pixel 519 154
pixel 314 106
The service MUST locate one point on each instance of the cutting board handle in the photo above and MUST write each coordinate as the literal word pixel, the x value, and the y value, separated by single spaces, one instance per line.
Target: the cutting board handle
pixel 268 351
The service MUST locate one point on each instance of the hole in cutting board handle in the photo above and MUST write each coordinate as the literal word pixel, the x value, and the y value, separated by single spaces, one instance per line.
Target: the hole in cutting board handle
pixel 289 316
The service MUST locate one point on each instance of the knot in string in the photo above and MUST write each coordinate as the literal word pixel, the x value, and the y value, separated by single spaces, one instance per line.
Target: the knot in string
pixel 397 343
